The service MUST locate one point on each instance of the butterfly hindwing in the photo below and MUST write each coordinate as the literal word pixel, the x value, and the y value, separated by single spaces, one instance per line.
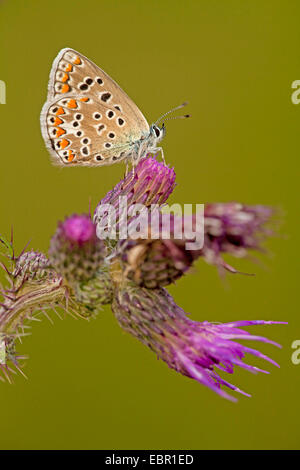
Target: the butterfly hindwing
pixel 87 118
pixel 79 131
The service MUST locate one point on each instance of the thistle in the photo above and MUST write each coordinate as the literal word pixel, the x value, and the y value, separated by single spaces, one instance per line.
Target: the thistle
pixel 150 184
pixel 75 251
pixel 83 272
pixel 33 288
pixel 235 229
pixel 230 228
pixel 78 255
pixel 156 261
pixel 74 279
pixel 196 350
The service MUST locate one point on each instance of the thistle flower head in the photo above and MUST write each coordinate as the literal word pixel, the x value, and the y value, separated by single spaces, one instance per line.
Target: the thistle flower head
pixel 197 350
pixel 157 260
pixel 33 286
pixel 235 228
pixel 78 229
pixel 32 266
pixel 94 293
pixel 75 251
pixel 150 183
pixel 155 263
pixel 160 258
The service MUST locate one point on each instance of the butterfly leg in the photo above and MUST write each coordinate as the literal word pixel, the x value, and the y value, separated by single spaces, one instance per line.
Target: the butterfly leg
pixel 130 166
pixel 157 150
pixel 127 168
pixel 134 165
pixel 162 155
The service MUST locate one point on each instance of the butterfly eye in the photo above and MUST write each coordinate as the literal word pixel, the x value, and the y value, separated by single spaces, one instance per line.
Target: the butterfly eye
pixel 157 131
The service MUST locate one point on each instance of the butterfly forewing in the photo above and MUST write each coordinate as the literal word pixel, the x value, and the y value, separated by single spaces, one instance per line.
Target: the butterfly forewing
pixel 87 118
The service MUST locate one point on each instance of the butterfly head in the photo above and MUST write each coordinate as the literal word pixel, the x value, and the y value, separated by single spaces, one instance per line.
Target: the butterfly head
pixel 157 133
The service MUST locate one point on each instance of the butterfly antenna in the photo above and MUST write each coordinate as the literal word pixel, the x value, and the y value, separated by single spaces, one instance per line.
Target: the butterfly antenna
pixel 177 117
pixel 171 111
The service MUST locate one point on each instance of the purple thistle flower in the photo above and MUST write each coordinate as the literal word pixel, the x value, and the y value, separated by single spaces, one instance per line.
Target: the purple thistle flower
pixel 79 229
pixel 75 251
pixel 197 350
pixel 78 255
pixel 235 229
pixel 150 183
pixel 228 228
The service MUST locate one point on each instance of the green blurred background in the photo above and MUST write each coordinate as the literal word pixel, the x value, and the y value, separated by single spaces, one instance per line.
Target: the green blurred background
pixel 91 385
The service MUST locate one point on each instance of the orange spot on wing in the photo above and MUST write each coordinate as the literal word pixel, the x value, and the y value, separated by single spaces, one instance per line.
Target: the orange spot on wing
pixel 72 104
pixel 65 88
pixel 58 121
pixel 64 143
pixel 60 111
pixel 60 132
pixel 77 61
pixel 65 78
pixel 71 156
pixel 69 68
pixel 84 100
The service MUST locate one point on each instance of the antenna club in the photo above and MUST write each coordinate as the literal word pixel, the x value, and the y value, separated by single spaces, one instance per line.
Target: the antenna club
pixel 171 111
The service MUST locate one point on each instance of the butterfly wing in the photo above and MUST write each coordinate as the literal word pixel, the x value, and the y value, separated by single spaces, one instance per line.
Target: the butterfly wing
pixel 88 119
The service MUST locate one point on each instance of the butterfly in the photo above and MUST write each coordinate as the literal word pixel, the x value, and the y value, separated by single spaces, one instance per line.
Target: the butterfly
pixel 89 120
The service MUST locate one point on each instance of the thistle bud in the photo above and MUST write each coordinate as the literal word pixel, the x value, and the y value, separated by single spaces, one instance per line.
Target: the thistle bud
pixel 75 251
